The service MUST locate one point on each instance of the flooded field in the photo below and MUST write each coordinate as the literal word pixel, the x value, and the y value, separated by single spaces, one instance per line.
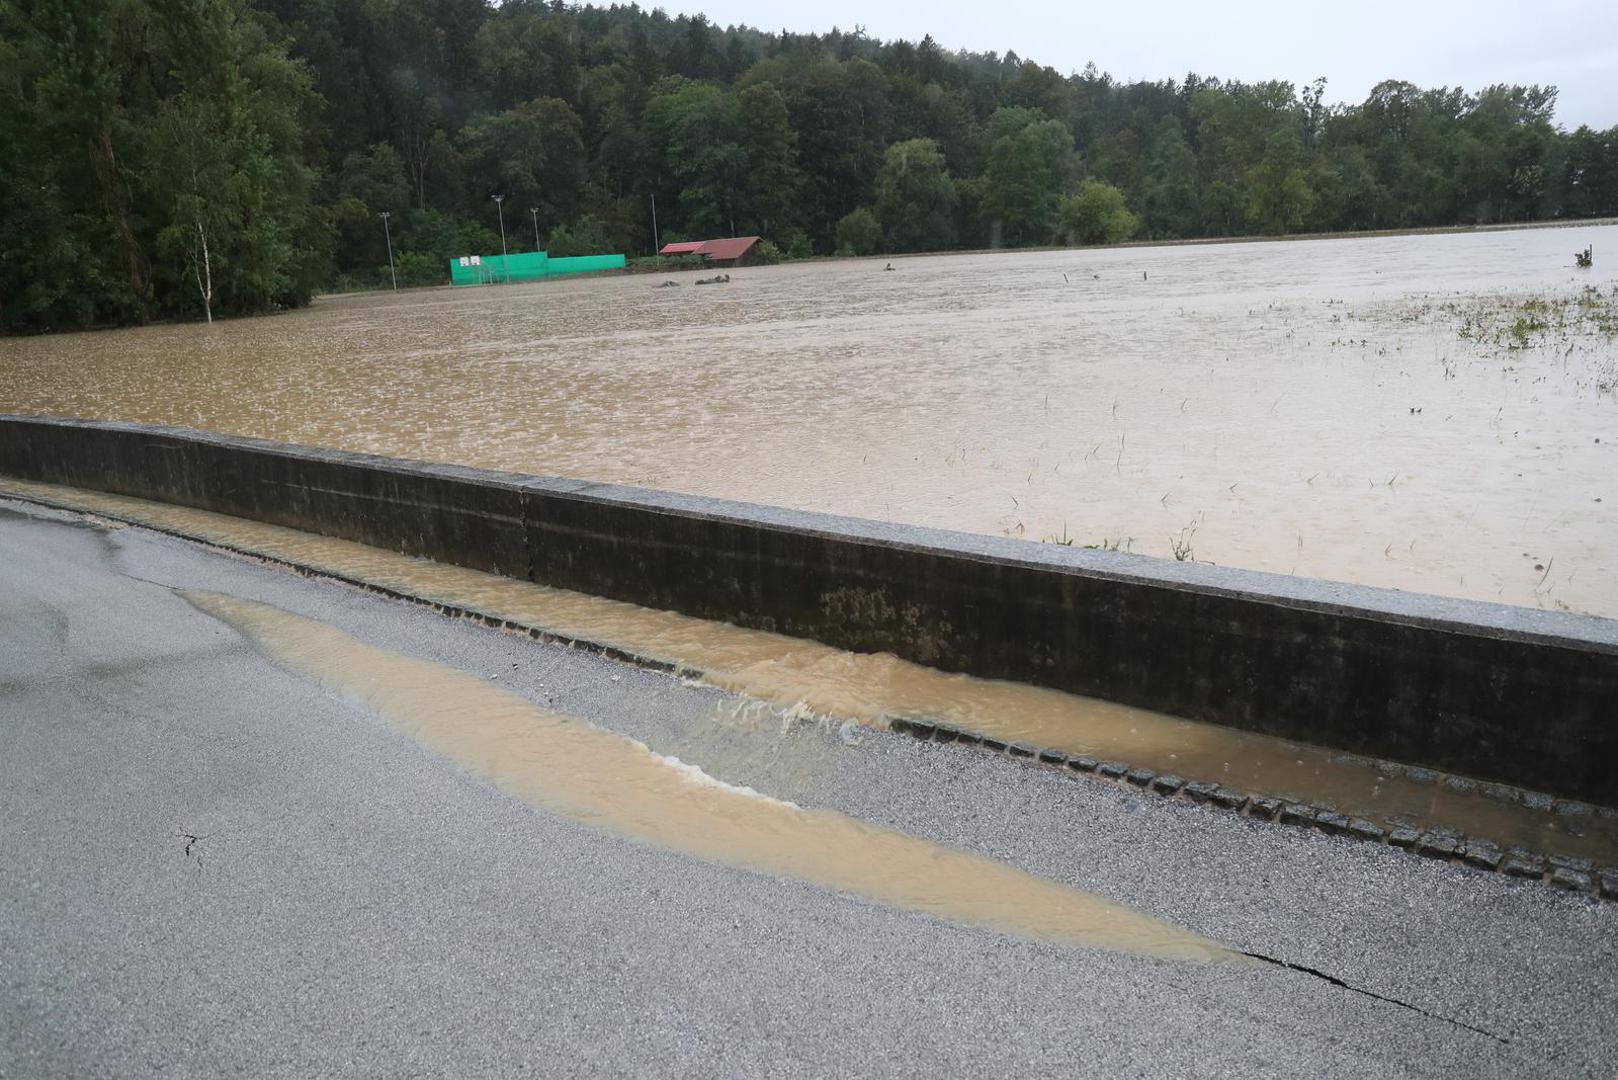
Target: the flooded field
pixel 1432 413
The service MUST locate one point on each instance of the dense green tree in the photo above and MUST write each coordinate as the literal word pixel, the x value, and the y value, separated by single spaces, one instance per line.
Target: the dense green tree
pixel 249 102
pixel 858 232
pixel 930 111
pixel 413 268
pixel 1279 195
pixel 1169 198
pixel 1224 208
pixel 1096 214
pixel 525 52
pixel 376 177
pixel 199 191
pixel 915 198
pixel 167 160
pixel 840 112
pixel 71 133
pixel 972 218
pixel 1348 192
pixel 1591 177
pixel 532 154
pixel 1031 165
pixel 52 271
pixel 772 183
pixel 167 157
pixel 1039 88
pixel 445 237
pixel 696 125
pixel 1234 124
pixel 586 236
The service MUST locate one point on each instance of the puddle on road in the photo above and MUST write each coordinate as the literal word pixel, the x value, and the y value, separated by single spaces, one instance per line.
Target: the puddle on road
pixel 791 672
pixel 571 767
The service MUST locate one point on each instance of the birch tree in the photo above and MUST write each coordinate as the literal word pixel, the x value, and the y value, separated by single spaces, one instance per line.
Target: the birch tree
pixel 191 166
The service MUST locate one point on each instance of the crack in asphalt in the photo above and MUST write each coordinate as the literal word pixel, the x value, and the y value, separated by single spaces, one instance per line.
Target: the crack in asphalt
pixel 1335 981
pixel 148 581
pixel 191 841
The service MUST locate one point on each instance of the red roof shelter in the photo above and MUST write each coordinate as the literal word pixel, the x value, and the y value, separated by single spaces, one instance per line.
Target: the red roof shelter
pixel 730 251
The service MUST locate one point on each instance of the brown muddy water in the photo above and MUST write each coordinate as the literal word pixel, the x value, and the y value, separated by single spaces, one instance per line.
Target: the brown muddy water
pixel 1394 411
pixel 809 680
pixel 569 766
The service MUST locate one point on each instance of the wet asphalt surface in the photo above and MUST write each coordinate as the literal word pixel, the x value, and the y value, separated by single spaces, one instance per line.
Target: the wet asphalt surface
pixel 210 865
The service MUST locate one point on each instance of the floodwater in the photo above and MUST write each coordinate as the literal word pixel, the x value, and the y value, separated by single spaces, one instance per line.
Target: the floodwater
pixel 569 766
pixel 805 676
pixel 1354 409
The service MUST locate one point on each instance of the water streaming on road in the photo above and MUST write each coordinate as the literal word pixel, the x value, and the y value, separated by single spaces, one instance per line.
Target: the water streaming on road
pixel 569 766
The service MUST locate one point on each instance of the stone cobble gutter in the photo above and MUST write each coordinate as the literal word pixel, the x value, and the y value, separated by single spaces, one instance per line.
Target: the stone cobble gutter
pixel 1571 873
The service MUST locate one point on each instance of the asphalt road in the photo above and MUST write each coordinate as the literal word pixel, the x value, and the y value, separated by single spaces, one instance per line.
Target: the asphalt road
pixel 210 866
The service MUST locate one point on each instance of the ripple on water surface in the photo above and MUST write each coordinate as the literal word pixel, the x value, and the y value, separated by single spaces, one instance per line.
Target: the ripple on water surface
pixel 1349 409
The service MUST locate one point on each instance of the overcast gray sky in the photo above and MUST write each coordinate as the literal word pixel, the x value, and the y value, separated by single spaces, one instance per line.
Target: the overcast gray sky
pixel 1572 44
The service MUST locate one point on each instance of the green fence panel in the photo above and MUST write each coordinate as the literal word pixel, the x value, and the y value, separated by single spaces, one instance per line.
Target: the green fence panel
pixel 586 264
pixel 489 269
pixel 525 266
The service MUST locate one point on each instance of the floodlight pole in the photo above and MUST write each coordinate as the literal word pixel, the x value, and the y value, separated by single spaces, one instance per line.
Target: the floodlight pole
pixel 501 210
pixel 656 247
pixel 534 210
pixel 388 233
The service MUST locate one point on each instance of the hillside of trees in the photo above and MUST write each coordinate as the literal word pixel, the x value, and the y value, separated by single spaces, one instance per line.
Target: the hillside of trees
pixel 183 158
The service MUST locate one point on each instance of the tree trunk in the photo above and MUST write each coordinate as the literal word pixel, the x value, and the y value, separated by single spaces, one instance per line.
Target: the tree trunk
pixel 205 274
pixel 115 199
pixel 416 154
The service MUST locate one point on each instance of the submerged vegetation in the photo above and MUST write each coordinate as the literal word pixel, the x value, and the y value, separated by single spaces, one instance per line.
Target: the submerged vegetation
pixel 170 158
pixel 1587 318
pixel 1577 328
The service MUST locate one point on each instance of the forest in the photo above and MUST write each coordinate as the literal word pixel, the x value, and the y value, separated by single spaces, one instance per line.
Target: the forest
pixel 197 158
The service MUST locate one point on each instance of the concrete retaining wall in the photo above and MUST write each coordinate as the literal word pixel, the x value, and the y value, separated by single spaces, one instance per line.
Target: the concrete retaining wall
pixel 1520 696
